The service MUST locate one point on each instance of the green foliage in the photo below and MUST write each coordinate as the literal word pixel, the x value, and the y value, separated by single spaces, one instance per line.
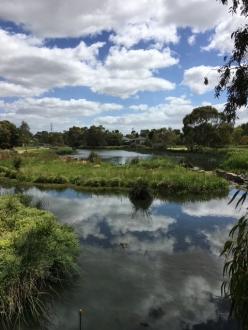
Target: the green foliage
pixel 24 134
pixel 161 174
pixel 236 270
pixel 17 162
pixel 205 127
pixel 234 73
pixel 141 195
pixel 8 135
pixel 58 179
pixel 64 151
pixel 236 161
pixel 94 158
pixel 35 252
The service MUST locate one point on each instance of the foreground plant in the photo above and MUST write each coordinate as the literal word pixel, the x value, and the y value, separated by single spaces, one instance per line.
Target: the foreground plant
pixel 36 253
pixel 236 267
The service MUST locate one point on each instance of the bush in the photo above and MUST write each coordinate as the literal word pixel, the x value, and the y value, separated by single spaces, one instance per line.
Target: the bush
pixel 141 196
pixel 64 151
pixel 134 161
pixel 36 252
pixel 59 179
pixel 17 163
pixel 94 158
pixel 115 182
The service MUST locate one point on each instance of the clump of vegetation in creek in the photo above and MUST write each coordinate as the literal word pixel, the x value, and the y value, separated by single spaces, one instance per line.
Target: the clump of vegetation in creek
pixel 64 151
pixel 94 158
pixel 36 253
pixel 141 196
pixel 161 175
pixel 17 163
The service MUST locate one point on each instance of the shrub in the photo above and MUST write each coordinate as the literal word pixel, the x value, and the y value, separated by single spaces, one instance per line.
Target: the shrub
pixel 94 158
pixel 59 179
pixel 17 163
pixel 141 196
pixel 115 182
pixel 64 151
pixel 36 252
pixel 134 161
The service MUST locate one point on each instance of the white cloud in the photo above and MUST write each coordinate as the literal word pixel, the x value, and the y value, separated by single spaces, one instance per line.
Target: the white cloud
pixel 194 78
pixel 30 68
pixel 54 18
pixel 39 112
pixel 221 38
pixel 165 114
pixel 131 34
pixel 139 59
pixel 192 39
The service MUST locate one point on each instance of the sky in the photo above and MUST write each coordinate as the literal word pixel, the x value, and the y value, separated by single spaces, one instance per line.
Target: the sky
pixel 133 64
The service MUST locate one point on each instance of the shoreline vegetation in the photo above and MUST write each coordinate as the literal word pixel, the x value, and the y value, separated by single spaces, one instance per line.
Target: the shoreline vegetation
pixel 36 254
pixel 161 175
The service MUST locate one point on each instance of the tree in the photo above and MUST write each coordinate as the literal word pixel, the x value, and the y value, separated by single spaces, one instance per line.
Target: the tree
pixel 114 138
pixel 96 136
pixel 8 135
pixel 200 127
pixel 234 72
pixel 75 137
pixel 24 134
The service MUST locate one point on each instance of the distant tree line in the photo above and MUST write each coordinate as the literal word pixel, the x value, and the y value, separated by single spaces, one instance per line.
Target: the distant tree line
pixel 203 127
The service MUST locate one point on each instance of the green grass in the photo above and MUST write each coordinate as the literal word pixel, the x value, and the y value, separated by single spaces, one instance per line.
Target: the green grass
pixel 236 161
pixel 161 174
pixel 36 252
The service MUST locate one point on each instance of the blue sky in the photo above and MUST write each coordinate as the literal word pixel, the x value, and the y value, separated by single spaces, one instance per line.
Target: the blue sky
pixel 133 64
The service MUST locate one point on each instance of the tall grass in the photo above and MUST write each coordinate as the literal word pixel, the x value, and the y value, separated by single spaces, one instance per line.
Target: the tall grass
pixel 161 174
pixel 236 161
pixel 35 253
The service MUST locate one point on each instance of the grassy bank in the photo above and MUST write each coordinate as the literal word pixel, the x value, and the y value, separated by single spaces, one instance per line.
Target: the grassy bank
pixel 159 174
pixel 236 161
pixel 35 253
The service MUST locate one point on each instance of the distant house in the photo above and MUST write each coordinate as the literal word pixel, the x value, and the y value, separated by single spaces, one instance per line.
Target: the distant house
pixel 134 141
pixel 140 140
pixel 127 141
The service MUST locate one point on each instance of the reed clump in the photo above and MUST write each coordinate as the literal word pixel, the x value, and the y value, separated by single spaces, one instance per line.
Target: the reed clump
pixel 36 253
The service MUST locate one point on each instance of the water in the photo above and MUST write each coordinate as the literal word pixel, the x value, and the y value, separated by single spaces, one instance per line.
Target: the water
pixel 114 156
pixel 159 269
pixel 205 161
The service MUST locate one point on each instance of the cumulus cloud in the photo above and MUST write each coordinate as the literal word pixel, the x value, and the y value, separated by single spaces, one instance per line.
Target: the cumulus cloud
pixel 194 78
pixel 30 68
pixel 39 112
pixel 221 40
pixel 192 39
pixel 132 34
pixel 170 113
pixel 76 18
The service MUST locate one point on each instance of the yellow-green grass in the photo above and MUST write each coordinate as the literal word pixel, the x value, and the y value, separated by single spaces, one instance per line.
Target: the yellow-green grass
pixel 236 161
pixel 160 174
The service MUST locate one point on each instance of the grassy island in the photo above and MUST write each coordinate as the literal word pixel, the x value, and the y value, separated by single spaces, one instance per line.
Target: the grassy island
pixel 36 252
pixel 160 174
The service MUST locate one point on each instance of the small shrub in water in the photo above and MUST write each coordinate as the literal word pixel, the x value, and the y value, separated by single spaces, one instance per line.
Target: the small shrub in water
pixel 17 163
pixel 94 158
pixel 141 196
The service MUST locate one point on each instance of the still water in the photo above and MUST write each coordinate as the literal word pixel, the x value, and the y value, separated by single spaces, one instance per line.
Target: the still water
pixel 113 156
pixel 158 269
pixel 205 161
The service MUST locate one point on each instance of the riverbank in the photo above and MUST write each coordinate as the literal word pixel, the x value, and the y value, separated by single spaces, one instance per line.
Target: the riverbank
pixel 36 253
pixel 160 174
